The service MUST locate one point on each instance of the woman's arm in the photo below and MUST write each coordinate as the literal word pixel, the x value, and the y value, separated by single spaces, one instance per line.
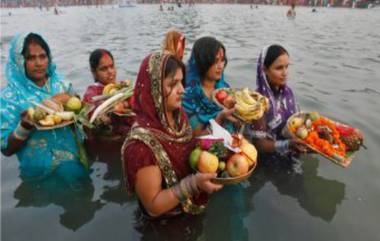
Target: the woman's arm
pixel 18 138
pixel 158 201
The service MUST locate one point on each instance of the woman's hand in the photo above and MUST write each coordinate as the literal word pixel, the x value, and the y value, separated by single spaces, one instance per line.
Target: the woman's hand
pixel 297 146
pixel 25 121
pixel 226 114
pixel 61 98
pixel 204 183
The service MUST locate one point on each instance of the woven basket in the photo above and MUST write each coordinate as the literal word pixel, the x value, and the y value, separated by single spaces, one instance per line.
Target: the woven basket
pixel 234 180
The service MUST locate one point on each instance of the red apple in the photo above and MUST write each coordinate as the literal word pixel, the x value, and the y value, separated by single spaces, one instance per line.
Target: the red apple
pixel 237 165
pixel 221 95
pixel 208 162
pixel 229 102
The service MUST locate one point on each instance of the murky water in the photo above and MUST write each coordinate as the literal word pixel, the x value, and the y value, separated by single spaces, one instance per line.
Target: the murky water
pixel 335 69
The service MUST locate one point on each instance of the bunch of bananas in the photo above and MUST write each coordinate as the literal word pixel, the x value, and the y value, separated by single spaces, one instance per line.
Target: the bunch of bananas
pixel 112 88
pixel 250 105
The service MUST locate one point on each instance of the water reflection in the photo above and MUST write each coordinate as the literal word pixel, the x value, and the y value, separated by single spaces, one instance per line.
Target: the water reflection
pixel 299 179
pixel 77 202
pixel 184 227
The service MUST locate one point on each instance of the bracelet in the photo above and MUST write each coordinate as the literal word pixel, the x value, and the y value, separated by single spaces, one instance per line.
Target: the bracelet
pixel 178 193
pixel 281 147
pixel 21 133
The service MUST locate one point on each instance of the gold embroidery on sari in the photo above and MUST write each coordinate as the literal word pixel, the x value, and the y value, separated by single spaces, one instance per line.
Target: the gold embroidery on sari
pixel 163 160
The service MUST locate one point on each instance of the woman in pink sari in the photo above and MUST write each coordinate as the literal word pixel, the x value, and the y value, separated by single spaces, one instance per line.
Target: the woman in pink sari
pixel 109 132
pixel 155 153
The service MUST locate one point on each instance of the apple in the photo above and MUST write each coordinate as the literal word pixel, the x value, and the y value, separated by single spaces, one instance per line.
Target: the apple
pixel 221 95
pixel 314 115
pixel 208 163
pixel 194 158
pixel 302 132
pixel 237 165
pixel 229 102
pixel 249 151
pixel 126 104
pixel 296 122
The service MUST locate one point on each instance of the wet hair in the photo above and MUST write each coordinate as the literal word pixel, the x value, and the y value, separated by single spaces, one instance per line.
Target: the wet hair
pixel 204 52
pixel 36 39
pixel 95 57
pixel 273 52
pixel 172 64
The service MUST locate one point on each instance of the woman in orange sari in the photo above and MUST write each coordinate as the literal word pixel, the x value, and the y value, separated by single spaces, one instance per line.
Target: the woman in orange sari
pixel 174 43
pixel 155 153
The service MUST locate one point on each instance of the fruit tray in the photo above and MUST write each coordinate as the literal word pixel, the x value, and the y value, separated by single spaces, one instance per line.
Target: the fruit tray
pixel 236 113
pixel 343 163
pixel 229 91
pixel 234 180
pixel 45 128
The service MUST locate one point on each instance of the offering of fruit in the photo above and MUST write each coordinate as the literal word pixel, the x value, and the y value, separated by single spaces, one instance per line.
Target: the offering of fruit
pixel 208 162
pixel 237 165
pixel 73 104
pixel 211 156
pixel 332 139
pixel 250 105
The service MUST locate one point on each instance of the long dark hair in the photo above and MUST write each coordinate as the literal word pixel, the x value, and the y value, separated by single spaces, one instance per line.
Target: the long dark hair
pixel 95 57
pixel 273 52
pixel 204 52
pixel 37 39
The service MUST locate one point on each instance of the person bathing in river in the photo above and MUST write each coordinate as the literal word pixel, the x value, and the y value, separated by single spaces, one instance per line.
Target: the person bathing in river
pixel 108 127
pixel 204 75
pixel 155 153
pixel 31 77
pixel 271 81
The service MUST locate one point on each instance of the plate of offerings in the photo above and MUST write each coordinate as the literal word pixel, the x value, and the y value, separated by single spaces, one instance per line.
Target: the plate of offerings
pixel 212 156
pixel 249 105
pixel 335 141
pixel 51 114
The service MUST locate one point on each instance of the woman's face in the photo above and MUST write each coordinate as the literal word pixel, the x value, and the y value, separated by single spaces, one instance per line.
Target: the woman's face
pixel 105 73
pixel 216 70
pixel 173 90
pixel 36 62
pixel 277 73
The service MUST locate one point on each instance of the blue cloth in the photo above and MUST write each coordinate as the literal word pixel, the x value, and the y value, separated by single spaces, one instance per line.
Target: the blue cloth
pixel 199 108
pixel 44 151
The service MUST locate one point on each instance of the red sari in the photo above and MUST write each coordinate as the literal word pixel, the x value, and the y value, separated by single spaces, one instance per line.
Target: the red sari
pixel 152 141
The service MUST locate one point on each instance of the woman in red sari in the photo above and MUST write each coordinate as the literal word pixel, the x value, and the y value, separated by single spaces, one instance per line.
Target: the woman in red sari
pixel 104 72
pixel 105 139
pixel 155 153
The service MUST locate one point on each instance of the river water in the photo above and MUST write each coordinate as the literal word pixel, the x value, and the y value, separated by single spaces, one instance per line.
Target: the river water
pixel 335 69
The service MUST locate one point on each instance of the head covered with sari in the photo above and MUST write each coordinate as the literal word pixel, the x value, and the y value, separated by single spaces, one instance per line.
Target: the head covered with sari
pixel 282 101
pixel 174 43
pixel 44 150
pixel 152 141
pixel 199 108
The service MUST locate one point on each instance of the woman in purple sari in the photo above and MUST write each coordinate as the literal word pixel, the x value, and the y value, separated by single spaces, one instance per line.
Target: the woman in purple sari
pixel 271 81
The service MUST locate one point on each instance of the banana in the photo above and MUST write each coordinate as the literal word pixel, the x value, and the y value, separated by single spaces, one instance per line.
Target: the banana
pixel 108 88
pixel 65 115
pixel 247 97
pixel 250 105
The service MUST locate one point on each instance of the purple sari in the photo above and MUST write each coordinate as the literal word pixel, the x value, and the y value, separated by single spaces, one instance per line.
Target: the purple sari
pixel 282 105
